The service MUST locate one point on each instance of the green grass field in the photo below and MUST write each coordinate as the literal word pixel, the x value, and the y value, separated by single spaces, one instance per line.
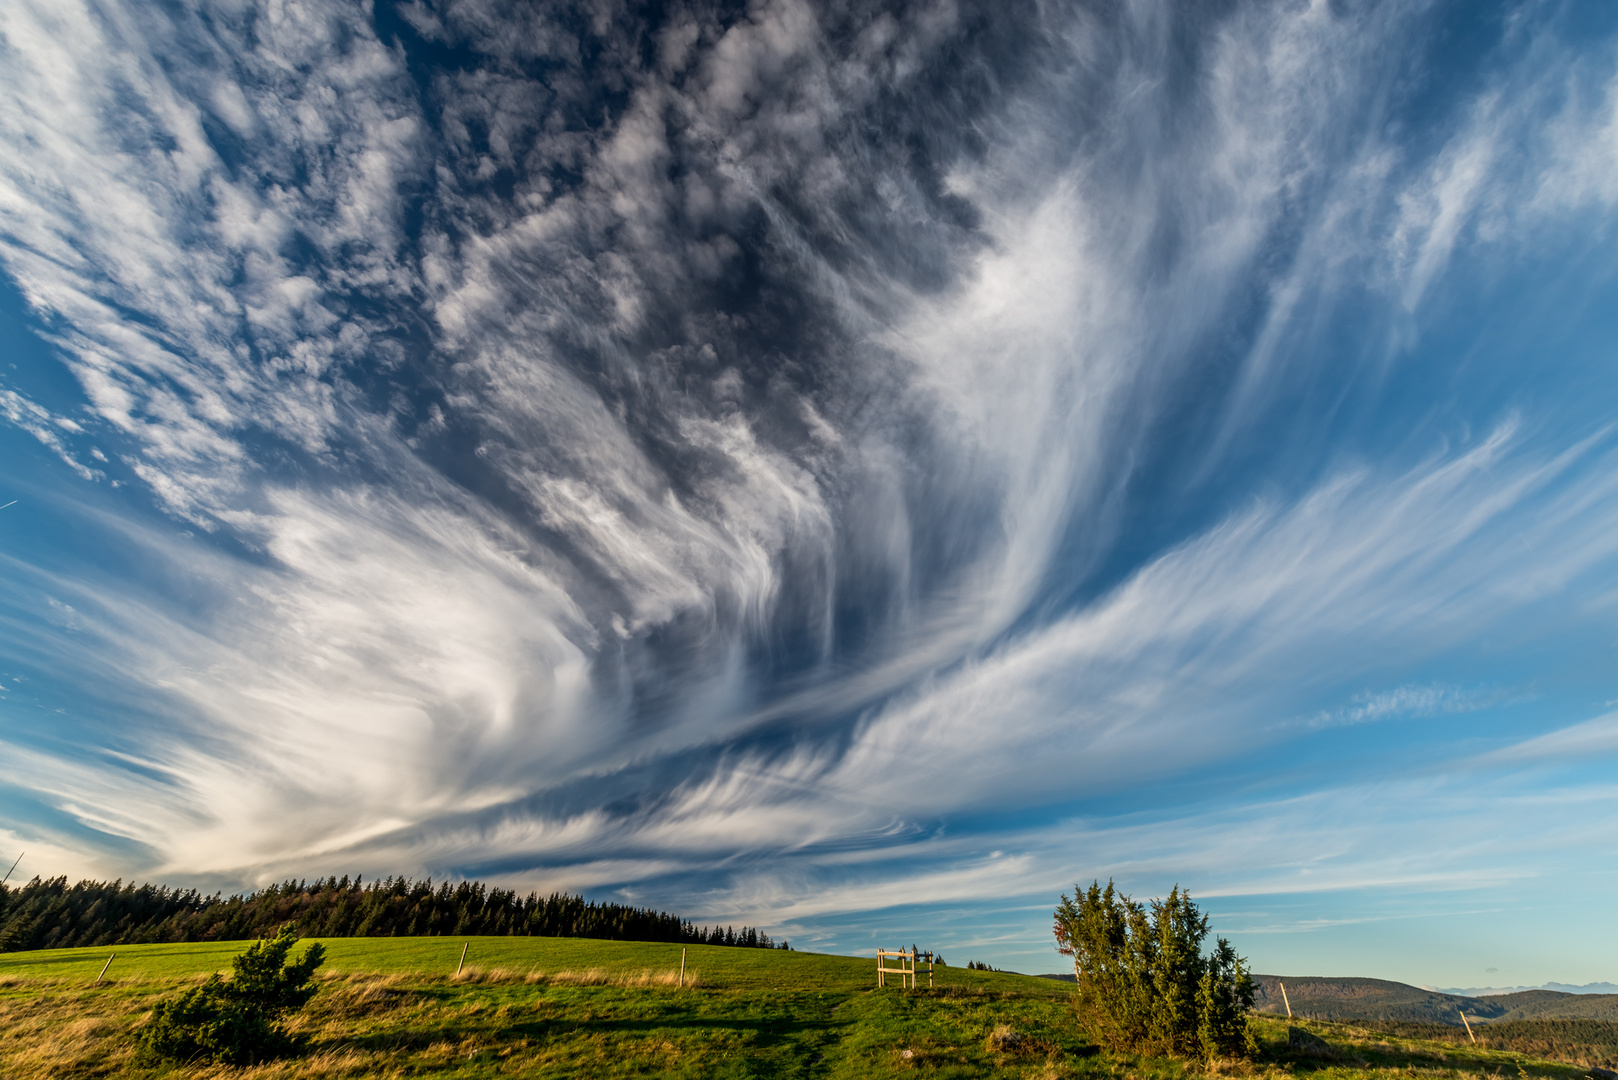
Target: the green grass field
pixel 735 969
pixel 558 1007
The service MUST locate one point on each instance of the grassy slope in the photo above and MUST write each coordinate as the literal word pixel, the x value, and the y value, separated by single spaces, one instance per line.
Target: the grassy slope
pixel 576 1008
pixel 739 968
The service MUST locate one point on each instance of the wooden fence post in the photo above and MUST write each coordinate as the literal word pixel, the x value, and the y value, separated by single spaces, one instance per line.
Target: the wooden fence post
pixel 682 967
pixel 462 964
pixel 1284 997
pixel 108 964
pixel 1469 1034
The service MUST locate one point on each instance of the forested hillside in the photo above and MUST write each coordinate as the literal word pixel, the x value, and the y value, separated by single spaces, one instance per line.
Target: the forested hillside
pixel 1395 1002
pixel 1367 999
pixel 50 913
pixel 1553 1004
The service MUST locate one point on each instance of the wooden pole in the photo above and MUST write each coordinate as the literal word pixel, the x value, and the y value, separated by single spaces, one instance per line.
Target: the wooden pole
pixel 682 967
pixel 1284 998
pixel 7 878
pixel 462 964
pixel 1469 1034
pixel 108 964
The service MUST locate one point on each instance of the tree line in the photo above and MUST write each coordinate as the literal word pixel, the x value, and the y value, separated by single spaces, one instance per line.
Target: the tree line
pixel 51 914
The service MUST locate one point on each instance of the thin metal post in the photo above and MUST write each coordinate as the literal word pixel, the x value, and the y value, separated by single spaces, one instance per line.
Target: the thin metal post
pixel 1469 1034
pixel 462 964
pixel 7 878
pixel 105 966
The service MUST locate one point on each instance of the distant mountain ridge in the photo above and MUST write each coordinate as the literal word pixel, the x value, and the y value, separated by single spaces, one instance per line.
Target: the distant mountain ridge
pixel 1493 991
pixel 1380 999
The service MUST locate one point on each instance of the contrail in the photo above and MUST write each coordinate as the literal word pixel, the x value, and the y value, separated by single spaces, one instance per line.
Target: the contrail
pixel 13 502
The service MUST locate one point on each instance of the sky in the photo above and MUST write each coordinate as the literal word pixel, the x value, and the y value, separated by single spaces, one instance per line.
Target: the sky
pixel 859 470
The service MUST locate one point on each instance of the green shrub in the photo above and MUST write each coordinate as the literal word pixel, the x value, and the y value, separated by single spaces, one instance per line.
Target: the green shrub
pixel 238 1022
pixel 1144 983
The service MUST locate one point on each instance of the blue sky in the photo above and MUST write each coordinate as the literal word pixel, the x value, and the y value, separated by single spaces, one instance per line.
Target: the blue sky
pixel 856 471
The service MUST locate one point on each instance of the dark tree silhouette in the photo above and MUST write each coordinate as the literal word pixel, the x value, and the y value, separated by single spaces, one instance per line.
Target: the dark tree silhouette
pixel 51 914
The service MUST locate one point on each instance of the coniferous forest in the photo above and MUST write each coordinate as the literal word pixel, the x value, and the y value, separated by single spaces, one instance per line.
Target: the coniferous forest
pixel 51 914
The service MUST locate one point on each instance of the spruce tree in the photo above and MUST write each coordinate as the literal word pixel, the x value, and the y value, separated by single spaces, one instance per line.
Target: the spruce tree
pixel 1144 983
pixel 238 1022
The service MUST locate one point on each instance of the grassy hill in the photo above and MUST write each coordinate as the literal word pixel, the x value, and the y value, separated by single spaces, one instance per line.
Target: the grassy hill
pixel 1380 1000
pixel 560 1007
pixel 519 956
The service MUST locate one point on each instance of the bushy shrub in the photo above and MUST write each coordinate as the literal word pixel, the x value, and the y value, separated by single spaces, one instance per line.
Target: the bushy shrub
pixel 1145 984
pixel 238 1022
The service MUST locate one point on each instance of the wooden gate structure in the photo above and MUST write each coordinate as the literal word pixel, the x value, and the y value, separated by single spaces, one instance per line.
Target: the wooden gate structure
pixel 906 970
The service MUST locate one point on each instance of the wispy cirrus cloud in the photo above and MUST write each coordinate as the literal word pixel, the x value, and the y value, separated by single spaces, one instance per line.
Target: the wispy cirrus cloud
pixel 735 455
pixel 1408 701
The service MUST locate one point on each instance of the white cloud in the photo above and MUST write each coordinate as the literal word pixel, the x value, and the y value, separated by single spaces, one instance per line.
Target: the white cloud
pixel 115 201
pixel 388 666
pixel 1434 212
pixel 1582 742
pixel 1584 157
pixel 50 429
pixel 1161 673
pixel 1407 702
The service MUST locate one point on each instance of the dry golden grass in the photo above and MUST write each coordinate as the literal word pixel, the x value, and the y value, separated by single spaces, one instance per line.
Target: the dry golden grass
pixel 60 1032
pixel 57 1034
pixel 597 977
pixel 586 977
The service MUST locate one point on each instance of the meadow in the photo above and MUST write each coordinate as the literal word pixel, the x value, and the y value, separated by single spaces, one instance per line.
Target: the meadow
pixel 568 1007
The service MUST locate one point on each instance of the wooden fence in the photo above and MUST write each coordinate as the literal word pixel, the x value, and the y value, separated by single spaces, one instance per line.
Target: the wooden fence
pixel 907 969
